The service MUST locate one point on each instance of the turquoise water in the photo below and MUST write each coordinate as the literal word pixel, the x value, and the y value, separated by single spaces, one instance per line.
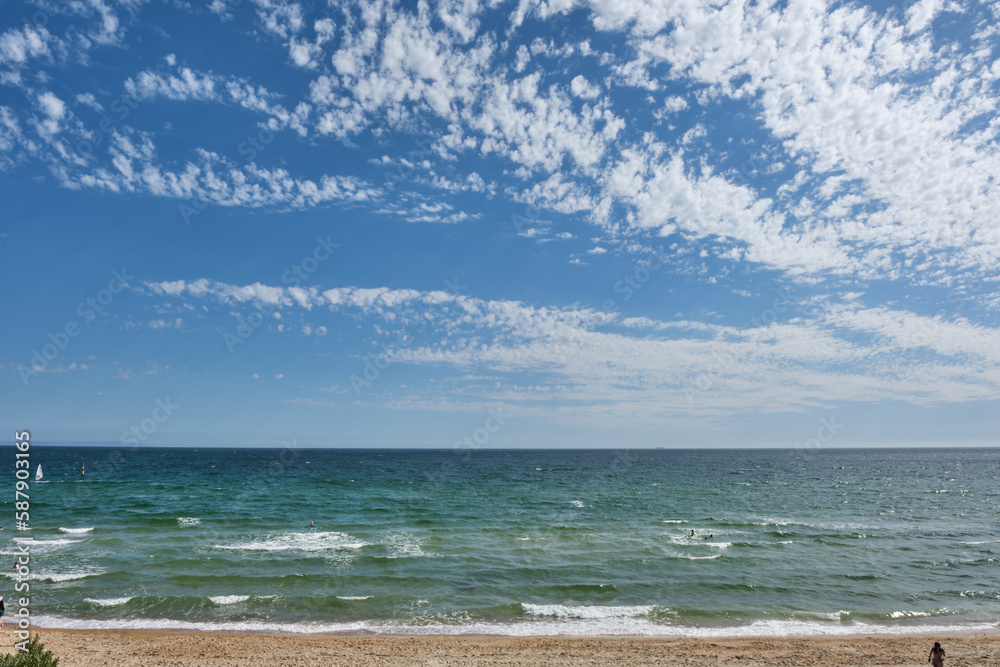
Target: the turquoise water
pixel 515 542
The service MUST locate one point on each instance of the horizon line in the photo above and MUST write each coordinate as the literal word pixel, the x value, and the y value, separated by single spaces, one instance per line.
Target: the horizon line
pixel 110 445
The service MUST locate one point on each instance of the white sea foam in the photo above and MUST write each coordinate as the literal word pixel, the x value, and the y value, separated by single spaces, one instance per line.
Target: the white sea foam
pixel 908 614
pixel 978 594
pixel 188 521
pixel 701 557
pixel 674 521
pixel 566 611
pixel 836 615
pixel 76 531
pixel 402 545
pixel 598 625
pixel 697 541
pixel 228 599
pixel 70 575
pixel 46 545
pixel 353 597
pixel 577 503
pixel 299 542
pixel 109 602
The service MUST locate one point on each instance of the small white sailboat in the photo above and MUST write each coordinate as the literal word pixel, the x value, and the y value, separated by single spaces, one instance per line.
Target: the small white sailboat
pixel 38 473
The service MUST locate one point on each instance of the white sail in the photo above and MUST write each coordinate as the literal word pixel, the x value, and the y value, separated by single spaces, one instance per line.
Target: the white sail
pixel 38 473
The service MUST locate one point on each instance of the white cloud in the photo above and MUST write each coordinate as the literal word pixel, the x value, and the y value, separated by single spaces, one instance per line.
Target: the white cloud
pixel 280 18
pixel 212 179
pixel 674 104
pixel 19 44
pixel 110 30
pixel 583 88
pixel 394 65
pixel 53 107
pixel 188 84
pixel 221 9
pixel 54 110
pixel 920 14
pixel 523 58
pixel 304 53
pixel 650 368
pixel 830 83
pixel 88 100
pixel 884 134
pixel 185 85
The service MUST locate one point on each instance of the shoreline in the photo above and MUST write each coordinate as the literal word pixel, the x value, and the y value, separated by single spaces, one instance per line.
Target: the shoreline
pixel 348 634
pixel 155 648
pixel 706 632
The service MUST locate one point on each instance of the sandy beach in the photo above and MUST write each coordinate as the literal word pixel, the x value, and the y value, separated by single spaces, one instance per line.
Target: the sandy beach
pixel 87 648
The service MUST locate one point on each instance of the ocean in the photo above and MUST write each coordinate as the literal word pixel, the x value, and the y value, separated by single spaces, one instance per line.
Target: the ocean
pixel 513 542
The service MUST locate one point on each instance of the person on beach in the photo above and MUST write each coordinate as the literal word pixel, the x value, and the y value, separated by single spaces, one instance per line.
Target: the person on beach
pixel 1 611
pixel 936 658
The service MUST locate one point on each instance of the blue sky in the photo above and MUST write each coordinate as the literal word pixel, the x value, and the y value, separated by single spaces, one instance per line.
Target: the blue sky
pixel 510 224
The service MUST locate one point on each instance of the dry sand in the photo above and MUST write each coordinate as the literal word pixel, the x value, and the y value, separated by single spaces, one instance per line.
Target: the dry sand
pixel 90 648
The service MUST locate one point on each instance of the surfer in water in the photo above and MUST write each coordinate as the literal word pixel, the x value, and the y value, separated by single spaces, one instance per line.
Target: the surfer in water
pixel 692 535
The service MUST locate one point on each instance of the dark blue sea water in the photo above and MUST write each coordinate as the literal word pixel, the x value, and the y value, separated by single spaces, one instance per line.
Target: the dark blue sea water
pixel 515 542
